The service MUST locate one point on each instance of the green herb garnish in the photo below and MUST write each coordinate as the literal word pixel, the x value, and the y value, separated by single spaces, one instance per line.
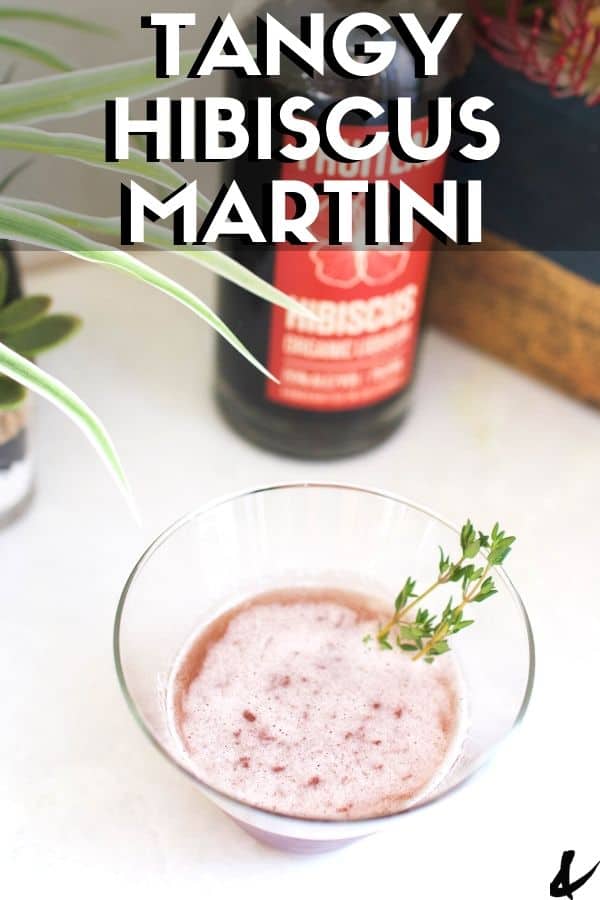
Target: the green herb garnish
pixel 426 635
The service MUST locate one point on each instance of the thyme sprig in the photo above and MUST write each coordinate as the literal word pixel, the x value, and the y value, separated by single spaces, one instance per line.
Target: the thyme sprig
pixel 424 634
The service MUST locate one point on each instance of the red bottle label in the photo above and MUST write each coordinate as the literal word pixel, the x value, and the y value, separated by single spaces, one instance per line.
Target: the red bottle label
pixel 361 350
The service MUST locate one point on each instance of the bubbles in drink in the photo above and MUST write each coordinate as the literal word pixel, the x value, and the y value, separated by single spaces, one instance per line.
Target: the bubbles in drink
pixel 280 704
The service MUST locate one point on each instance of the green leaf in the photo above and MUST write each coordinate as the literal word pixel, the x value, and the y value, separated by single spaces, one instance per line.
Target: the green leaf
pixel 30 50
pixel 41 15
pixel 411 632
pixel 483 595
pixel 500 550
pixel 487 589
pixel 472 549
pixel 214 260
pixel 10 176
pixel 11 393
pixel 33 229
pixel 41 336
pixel 423 618
pixel 405 594
pixel 77 92
pixel 3 280
pixel 467 575
pixel 92 152
pixel 463 624
pixel 444 563
pixel 23 312
pixel 31 376
pixel 457 573
pixel 8 73
pixel 467 534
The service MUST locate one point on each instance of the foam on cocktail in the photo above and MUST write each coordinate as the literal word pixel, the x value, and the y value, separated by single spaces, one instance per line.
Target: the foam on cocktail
pixel 281 704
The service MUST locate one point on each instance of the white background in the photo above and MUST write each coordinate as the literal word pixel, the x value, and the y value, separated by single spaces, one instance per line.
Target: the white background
pixel 87 806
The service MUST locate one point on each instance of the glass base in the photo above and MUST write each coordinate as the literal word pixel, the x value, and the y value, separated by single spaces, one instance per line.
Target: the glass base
pixel 294 845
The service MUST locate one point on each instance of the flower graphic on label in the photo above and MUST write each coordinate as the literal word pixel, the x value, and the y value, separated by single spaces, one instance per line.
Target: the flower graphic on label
pixel 349 266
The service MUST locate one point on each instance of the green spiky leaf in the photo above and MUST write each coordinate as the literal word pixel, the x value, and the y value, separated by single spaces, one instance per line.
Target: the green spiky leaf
pixel 77 92
pixel 10 176
pixel 90 151
pixel 35 379
pixel 8 73
pixel 33 229
pixel 30 50
pixel 156 236
pixel 51 18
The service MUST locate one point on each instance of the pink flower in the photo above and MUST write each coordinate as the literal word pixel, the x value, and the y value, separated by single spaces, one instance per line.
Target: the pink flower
pixel 556 43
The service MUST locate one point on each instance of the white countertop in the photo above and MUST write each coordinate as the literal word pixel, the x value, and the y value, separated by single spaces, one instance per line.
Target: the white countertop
pixel 87 806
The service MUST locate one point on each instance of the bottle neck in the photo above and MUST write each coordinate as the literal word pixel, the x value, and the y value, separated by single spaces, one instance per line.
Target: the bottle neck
pixel 397 80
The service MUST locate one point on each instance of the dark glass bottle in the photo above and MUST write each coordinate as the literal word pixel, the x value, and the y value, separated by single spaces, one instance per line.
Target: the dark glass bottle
pixel 345 384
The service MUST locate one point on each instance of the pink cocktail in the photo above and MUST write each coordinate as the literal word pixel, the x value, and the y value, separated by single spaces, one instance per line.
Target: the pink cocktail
pixel 239 645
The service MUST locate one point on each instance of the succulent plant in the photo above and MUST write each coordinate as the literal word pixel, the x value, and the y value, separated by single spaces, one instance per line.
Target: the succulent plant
pixel 27 327
pixel 552 42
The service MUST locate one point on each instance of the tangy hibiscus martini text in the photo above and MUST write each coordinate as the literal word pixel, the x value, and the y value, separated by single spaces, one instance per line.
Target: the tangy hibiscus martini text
pixel 281 704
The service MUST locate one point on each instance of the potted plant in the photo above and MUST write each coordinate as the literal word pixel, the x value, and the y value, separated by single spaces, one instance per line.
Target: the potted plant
pixel 69 93
pixel 531 295
pixel 27 328
pixel 552 42
pixel 15 471
pixel 539 63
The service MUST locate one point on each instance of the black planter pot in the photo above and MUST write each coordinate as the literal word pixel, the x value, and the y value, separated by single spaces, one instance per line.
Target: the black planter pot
pixel 541 189
pixel 15 468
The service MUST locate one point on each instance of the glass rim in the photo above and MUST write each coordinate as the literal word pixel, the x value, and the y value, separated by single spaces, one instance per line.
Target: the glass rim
pixel 212 505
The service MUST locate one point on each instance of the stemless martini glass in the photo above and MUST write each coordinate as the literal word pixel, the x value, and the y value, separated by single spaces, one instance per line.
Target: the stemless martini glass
pixel 325 535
